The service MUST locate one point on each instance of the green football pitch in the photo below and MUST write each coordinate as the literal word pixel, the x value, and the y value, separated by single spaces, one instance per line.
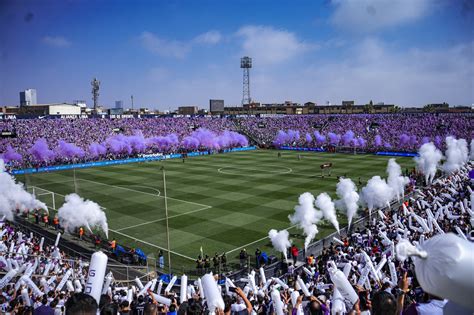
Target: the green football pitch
pixel 222 202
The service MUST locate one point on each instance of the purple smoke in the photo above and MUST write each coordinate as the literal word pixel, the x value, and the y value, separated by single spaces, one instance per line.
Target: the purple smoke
pixel 163 143
pixel 118 144
pixel 404 139
pixel 97 149
pixel 280 138
pixel 378 141
pixel 348 137
pixel 137 142
pixel 68 150
pixel 190 143
pixel 207 139
pixel 11 155
pixel 40 151
pixel 231 139
pixel 320 139
pixel 289 137
pixel 334 138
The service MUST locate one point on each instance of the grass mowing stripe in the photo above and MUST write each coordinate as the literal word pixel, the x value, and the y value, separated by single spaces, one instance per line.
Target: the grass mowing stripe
pixel 141 192
pixel 152 245
pixel 244 207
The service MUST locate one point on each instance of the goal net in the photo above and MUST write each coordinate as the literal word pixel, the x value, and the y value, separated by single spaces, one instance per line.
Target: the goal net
pixel 50 198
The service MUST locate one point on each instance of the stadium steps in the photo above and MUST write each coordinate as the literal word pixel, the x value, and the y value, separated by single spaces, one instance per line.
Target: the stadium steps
pixel 248 134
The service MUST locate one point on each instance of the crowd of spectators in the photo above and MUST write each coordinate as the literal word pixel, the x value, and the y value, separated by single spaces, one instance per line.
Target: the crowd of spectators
pixel 370 132
pixel 390 132
pixel 41 279
pixel 84 132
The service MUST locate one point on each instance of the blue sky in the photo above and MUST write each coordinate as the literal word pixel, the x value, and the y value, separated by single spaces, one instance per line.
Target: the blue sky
pixel 172 53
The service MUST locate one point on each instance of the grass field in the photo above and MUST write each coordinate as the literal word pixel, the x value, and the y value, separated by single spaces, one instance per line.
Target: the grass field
pixel 222 202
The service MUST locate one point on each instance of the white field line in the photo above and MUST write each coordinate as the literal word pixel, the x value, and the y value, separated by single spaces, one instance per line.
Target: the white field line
pixel 150 244
pixel 136 239
pixel 103 208
pixel 145 223
pixel 52 183
pixel 162 219
pixel 269 172
pixel 181 214
pixel 142 192
pixel 251 243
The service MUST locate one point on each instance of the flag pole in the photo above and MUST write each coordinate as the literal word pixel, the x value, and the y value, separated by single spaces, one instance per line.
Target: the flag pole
pixel 167 225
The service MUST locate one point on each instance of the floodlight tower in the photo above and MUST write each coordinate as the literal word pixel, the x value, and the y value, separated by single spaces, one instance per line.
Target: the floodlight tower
pixel 95 93
pixel 246 64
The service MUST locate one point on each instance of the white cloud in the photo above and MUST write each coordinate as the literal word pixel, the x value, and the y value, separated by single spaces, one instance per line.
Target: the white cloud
pixel 369 70
pixel 372 15
pixel 211 37
pixel 56 41
pixel 175 48
pixel 164 47
pixel 267 45
pixel 409 78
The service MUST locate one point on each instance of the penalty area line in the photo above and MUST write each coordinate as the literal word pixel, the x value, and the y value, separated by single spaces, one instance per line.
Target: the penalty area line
pixel 162 219
pixel 254 242
pixel 142 192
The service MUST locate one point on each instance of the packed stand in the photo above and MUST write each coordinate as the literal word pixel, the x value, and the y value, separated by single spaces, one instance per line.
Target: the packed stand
pixel 371 132
pixel 41 142
pixel 370 271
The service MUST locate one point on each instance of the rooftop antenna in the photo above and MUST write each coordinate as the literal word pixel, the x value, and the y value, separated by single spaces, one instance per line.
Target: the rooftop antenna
pixel 246 64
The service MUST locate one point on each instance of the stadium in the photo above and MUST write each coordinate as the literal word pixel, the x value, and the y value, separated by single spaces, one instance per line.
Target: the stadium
pixel 278 208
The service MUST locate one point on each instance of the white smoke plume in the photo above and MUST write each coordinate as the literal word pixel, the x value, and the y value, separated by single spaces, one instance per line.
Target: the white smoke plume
pixel 395 179
pixel 377 193
pixel 280 241
pixel 306 217
pixel 348 198
pixel 77 212
pixel 428 160
pixel 456 154
pixel 13 196
pixel 324 202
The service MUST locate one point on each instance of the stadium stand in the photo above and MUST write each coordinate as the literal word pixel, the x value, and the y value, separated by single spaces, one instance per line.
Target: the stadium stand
pixel 94 139
pixel 40 278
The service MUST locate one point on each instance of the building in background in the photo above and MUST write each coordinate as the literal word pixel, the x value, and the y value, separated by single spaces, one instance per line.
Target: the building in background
pixel 309 108
pixel 216 107
pixel 56 109
pixel 187 110
pixel 28 97
pixel 119 104
pixel 115 111
pixel 80 103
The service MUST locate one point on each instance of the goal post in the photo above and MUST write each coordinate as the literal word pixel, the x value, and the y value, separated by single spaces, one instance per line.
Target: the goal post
pixel 44 195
